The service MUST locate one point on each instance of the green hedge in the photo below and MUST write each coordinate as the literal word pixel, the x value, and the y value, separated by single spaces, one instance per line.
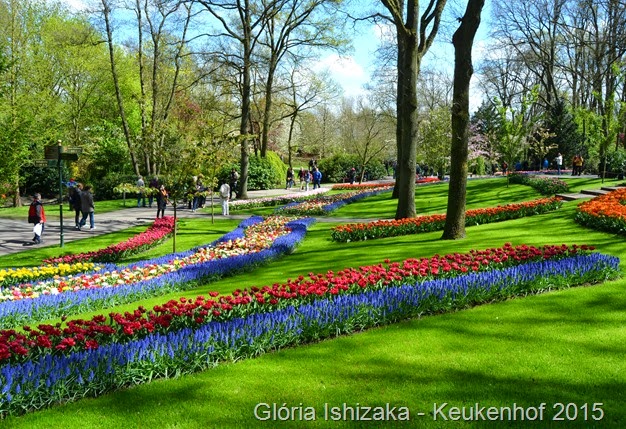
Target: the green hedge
pixel 335 169
pixel 263 173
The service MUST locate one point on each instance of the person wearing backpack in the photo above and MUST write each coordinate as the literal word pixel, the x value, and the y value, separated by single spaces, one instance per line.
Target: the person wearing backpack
pixel 37 216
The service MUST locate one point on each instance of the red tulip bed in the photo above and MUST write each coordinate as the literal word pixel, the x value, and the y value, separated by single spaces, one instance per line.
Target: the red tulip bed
pixel 255 241
pixel 54 363
pixel 604 213
pixel 436 222
pixel 156 233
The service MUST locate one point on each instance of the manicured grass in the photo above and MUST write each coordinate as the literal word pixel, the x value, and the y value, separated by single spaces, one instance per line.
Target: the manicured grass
pixel 190 233
pixel 560 347
pixel 564 347
pixel 433 198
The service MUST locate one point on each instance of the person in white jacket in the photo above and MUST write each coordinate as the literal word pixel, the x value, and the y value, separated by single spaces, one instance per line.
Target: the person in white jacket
pixel 225 196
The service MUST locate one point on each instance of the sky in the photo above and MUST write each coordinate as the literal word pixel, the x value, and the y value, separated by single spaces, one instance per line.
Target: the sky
pixel 353 71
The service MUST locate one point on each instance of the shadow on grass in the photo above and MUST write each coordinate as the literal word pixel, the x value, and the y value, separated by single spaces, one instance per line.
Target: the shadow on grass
pixel 525 351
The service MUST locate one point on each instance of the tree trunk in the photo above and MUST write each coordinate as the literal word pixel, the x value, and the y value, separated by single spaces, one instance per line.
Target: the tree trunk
pixel 407 125
pixel 462 40
pixel 118 93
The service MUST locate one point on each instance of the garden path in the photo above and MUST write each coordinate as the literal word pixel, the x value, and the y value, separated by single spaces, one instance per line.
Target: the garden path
pixel 16 235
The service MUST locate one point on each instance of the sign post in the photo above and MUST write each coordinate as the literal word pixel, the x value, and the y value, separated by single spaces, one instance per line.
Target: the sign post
pixel 55 154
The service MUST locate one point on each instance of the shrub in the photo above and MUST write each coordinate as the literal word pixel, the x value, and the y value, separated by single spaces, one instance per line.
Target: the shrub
pixel 263 173
pixel 335 169
pixel 544 185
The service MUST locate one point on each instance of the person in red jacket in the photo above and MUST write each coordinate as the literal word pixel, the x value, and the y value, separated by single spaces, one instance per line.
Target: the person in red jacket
pixel 37 216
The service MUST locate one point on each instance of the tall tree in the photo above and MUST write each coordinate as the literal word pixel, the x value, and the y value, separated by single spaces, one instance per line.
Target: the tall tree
pixel 414 36
pixel 159 61
pixel 242 22
pixel 293 24
pixel 463 40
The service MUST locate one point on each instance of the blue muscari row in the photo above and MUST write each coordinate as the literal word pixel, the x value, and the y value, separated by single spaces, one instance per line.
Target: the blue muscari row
pixel 42 306
pixel 105 367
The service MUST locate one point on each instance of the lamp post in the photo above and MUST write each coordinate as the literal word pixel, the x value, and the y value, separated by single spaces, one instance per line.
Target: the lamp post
pixel 60 167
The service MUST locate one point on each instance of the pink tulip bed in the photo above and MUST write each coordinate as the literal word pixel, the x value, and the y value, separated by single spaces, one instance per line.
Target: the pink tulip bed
pixel 393 228
pixel 156 233
pixel 255 241
pixel 47 364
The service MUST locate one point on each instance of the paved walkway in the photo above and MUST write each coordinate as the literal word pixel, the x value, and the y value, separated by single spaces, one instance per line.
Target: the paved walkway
pixel 16 235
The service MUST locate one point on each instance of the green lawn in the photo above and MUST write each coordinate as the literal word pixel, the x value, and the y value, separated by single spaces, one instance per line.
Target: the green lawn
pixel 433 198
pixel 561 347
pixel 52 209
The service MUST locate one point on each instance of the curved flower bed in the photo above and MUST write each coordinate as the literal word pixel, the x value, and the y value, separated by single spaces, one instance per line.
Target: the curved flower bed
pixel 359 186
pixel 436 222
pixel 356 186
pixel 254 242
pixel 50 364
pixel 605 213
pixel 13 276
pixel 326 204
pixel 154 235
pixel 276 201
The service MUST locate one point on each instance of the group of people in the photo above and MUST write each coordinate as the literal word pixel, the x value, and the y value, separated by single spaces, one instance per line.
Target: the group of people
pixel 577 164
pixel 141 196
pixel 81 202
pixel 306 177
pixel 159 193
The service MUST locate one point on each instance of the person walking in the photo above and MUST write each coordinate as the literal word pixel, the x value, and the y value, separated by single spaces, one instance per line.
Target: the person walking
pixel 352 175
pixel 317 178
pixel 154 188
pixel 37 216
pixel 141 196
pixel 577 165
pixel 301 178
pixel 559 163
pixel 290 181
pixel 87 208
pixel 307 180
pixel 225 196
pixel 75 203
pixel 232 183
pixel 161 200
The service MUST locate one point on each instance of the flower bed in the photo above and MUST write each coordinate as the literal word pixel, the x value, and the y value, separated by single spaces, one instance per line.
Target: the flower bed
pixel 13 276
pixel 605 213
pixel 356 186
pixel 154 235
pixel 254 242
pixel 436 222
pixel 544 185
pixel 44 366
pixel 275 201
pixel 326 204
